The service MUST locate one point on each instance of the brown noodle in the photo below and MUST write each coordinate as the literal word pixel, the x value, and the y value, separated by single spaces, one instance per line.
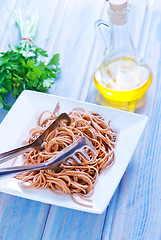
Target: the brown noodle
pixel 73 178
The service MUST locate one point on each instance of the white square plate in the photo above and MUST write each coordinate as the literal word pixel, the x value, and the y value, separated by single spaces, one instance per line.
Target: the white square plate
pixel 14 129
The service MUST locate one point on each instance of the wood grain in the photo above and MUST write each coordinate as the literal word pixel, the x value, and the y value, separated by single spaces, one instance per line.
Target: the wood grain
pixel 66 26
pixel 137 211
pixel 22 218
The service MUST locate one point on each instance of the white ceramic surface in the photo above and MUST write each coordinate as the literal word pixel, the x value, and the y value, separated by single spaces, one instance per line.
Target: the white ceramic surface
pixel 14 129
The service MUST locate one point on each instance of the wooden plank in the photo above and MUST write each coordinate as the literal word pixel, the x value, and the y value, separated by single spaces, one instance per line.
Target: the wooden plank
pixel 137 214
pixel 69 224
pixel 5 15
pixel 18 216
pixel 131 205
pixel 74 42
pixel 69 20
pixel 21 218
pixel 112 224
pixel 64 223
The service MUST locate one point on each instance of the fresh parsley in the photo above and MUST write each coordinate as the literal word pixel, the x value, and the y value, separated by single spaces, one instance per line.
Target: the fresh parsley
pixel 24 67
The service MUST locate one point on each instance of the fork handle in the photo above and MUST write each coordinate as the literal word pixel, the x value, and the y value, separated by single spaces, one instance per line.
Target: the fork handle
pixel 55 162
pixel 37 144
pixel 14 153
pixel 18 169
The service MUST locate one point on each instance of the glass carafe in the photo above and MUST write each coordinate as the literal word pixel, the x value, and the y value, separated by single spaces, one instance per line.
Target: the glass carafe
pixel 122 77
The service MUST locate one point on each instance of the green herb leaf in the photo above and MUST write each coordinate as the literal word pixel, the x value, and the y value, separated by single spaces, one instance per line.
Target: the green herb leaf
pixel 23 66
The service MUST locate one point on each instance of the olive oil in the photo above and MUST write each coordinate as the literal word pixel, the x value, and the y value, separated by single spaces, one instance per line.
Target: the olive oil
pixel 122 77
pixel 122 81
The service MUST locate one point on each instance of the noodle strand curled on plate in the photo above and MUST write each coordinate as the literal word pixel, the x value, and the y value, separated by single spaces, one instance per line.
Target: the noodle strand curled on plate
pixel 73 178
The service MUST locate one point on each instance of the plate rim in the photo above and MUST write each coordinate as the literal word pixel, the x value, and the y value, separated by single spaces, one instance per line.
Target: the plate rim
pixel 28 92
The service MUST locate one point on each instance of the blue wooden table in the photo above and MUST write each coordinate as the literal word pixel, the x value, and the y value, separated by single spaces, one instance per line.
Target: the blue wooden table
pixel 66 26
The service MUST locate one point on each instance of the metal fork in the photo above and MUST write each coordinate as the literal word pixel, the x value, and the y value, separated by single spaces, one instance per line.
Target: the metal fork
pixel 55 162
pixel 37 144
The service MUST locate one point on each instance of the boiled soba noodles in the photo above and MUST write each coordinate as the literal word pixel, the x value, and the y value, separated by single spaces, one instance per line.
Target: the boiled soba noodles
pixel 73 178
